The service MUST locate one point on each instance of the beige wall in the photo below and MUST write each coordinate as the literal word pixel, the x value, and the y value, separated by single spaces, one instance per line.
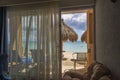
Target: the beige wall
pixel 108 35
pixel 63 3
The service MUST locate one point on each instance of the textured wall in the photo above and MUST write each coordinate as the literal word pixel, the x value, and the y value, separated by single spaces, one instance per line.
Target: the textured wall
pixel 108 35
pixel 63 3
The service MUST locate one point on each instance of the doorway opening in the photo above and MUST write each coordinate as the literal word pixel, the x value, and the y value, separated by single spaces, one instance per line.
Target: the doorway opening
pixel 77 39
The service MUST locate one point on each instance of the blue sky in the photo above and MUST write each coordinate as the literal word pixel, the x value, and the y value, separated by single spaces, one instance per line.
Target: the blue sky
pixel 77 21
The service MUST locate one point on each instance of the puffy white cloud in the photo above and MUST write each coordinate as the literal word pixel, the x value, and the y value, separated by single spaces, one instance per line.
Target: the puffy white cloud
pixel 81 18
pixel 75 20
pixel 76 17
pixel 67 16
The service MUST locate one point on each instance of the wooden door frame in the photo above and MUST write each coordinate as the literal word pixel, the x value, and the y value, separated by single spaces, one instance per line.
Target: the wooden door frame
pixel 90 43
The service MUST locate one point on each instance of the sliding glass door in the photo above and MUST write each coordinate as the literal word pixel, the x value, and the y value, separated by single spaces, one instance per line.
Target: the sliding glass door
pixel 34 42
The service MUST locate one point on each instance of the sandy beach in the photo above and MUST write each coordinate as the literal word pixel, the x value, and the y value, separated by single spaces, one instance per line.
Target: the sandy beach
pixel 67 63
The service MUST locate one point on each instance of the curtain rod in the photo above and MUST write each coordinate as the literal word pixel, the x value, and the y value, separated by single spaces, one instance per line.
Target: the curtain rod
pixel 27 3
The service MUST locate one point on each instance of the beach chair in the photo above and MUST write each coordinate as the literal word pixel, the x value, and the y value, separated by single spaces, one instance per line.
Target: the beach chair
pixel 79 58
pixel 14 58
pixel 35 55
pixel 15 63
pixel 18 67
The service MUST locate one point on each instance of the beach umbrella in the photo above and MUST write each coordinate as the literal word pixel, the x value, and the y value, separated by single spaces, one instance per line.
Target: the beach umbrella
pixel 68 33
pixel 84 36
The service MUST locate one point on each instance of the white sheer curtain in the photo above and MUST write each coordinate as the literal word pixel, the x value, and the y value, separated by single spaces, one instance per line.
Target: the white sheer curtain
pixel 34 42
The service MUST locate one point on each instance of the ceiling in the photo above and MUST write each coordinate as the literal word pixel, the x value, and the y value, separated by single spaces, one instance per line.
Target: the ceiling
pixel 63 3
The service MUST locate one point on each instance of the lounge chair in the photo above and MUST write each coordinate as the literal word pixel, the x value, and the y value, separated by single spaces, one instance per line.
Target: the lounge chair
pixel 14 58
pixel 79 58
pixel 36 57
pixel 17 66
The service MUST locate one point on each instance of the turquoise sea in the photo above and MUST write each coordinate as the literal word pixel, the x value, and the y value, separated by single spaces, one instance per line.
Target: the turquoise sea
pixel 77 46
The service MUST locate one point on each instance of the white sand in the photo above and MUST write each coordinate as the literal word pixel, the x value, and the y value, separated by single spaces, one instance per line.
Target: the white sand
pixel 68 55
pixel 68 64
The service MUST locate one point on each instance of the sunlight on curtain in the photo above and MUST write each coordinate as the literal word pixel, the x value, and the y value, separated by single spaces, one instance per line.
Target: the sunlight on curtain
pixel 34 44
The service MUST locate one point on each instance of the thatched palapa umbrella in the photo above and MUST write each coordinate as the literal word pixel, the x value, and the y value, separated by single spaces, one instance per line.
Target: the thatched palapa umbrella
pixel 68 33
pixel 84 36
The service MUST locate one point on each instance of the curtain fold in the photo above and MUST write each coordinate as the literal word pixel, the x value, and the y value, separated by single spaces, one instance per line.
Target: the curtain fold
pixel 15 33
pixel 34 34
pixel 3 41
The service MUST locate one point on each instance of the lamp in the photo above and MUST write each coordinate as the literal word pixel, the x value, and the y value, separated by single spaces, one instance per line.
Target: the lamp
pixel 113 1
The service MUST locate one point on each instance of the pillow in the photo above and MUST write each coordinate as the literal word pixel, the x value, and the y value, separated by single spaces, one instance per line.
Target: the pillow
pixel 99 70
pixel 90 68
pixel 74 74
pixel 86 76
pixel 75 79
pixel 105 78
pixel 67 77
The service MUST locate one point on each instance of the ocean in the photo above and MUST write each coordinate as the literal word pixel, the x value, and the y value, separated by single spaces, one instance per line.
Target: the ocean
pixel 77 46
pixel 68 46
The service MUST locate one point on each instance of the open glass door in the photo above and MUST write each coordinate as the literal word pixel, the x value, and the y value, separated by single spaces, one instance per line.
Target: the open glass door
pixel 74 50
pixel 77 40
